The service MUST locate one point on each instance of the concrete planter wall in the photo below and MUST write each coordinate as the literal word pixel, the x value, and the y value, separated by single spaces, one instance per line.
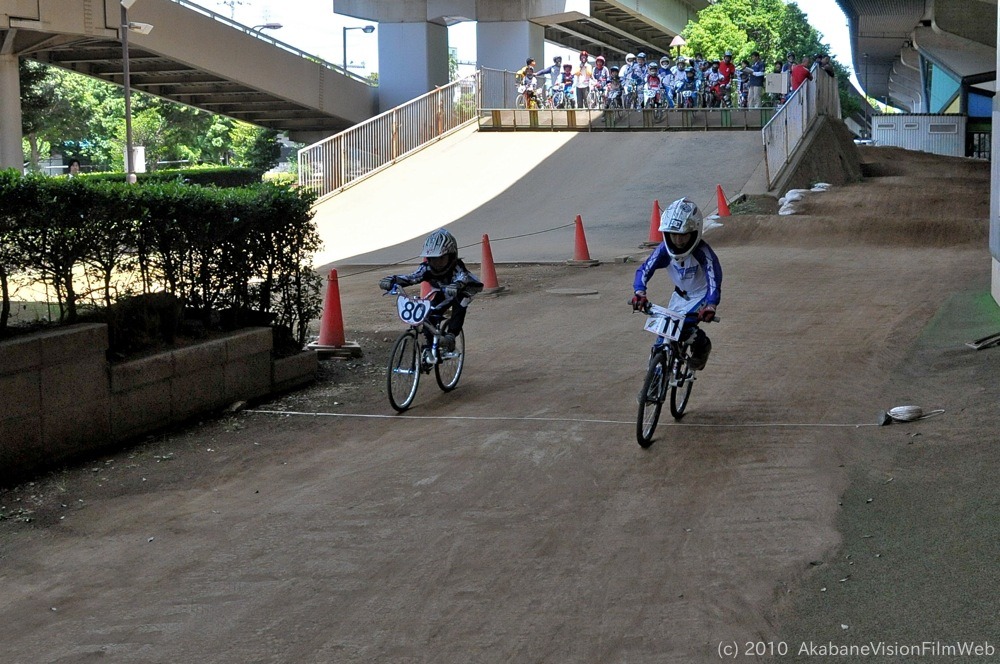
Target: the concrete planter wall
pixel 60 399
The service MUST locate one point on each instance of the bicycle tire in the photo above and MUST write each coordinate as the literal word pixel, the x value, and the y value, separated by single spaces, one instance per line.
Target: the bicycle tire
pixel 403 371
pixel 679 394
pixel 449 370
pixel 651 400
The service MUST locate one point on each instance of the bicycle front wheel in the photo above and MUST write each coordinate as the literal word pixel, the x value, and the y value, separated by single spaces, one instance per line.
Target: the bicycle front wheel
pixel 449 369
pixel 680 389
pixel 403 372
pixel 651 400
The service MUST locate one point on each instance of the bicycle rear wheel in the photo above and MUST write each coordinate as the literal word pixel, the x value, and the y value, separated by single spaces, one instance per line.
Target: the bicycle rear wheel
pixel 680 389
pixel 651 400
pixel 403 372
pixel 449 369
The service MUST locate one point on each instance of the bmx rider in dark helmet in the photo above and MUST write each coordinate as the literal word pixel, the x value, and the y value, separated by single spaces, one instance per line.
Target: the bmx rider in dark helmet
pixel 444 271
pixel 693 267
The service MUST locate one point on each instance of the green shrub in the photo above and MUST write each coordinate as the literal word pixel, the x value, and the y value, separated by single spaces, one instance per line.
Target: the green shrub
pixel 98 243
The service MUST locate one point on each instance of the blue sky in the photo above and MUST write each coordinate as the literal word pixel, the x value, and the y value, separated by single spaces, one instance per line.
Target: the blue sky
pixel 311 26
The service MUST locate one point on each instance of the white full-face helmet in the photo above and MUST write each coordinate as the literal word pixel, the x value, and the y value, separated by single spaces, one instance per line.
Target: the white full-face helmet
pixel 681 217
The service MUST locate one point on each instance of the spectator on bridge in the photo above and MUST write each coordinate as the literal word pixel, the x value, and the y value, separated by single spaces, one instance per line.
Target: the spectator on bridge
pixel 519 74
pixel 626 70
pixel 756 85
pixel 743 73
pixel 613 97
pixel 553 71
pixel 566 81
pixel 789 62
pixel 601 73
pixel 800 73
pixel 583 76
pixel 826 65
pixel 727 68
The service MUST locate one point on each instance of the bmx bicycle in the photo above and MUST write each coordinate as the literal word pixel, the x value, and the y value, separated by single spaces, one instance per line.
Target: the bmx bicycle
pixel 418 350
pixel 669 370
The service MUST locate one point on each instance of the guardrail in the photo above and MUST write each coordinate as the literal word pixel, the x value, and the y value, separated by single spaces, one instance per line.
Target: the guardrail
pixel 783 133
pixel 271 40
pixel 352 155
pixel 598 119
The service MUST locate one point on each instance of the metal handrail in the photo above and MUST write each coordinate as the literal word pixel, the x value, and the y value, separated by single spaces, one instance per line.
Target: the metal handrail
pixel 784 132
pixel 339 161
pixel 271 40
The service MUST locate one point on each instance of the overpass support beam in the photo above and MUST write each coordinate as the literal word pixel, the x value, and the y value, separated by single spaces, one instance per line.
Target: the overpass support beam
pixel 508 44
pixel 11 155
pixel 413 60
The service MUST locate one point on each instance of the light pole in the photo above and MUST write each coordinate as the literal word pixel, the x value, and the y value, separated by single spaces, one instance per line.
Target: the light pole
pixel 144 29
pixel 266 26
pixel 867 103
pixel 367 29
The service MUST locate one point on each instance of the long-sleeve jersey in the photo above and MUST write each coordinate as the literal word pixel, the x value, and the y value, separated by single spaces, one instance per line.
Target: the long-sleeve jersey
pixel 697 279
pixel 458 275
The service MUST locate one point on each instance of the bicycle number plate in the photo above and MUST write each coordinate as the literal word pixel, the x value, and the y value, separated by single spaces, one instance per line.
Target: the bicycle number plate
pixel 666 325
pixel 412 311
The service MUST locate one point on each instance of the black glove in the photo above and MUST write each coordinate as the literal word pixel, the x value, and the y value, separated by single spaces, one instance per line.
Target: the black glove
pixel 639 302
pixel 450 291
pixel 387 283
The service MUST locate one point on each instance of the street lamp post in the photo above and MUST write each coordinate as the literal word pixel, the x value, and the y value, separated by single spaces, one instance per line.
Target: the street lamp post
pixel 867 103
pixel 126 27
pixel 266 26
pixel 367 29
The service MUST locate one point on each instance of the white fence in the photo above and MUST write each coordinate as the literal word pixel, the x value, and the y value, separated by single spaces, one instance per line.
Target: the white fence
pixel 783 133
pixel 346 158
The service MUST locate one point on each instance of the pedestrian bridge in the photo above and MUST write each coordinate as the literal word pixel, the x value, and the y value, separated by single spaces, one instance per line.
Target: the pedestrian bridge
pixel 193 56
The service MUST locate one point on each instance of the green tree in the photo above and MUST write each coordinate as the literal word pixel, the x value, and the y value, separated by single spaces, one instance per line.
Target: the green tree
pixel 255 147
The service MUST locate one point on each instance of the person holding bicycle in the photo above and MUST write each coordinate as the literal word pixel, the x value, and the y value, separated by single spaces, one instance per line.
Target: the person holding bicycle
pixel 447 274
pixel 694 269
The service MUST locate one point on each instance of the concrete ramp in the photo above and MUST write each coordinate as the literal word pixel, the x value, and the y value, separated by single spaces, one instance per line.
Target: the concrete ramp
pixel 526 186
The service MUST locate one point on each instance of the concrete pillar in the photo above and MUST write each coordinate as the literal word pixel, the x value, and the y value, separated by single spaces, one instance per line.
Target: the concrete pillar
pixel 412 60
pixel 507 44
pixel 11 155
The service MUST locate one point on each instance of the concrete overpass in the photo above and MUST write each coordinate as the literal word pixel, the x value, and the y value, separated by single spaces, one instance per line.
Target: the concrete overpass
pixel 415 32
pixel 933 56
pixel 192 56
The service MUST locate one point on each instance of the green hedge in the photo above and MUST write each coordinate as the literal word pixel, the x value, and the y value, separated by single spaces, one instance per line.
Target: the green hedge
pixel 228 256
pixel 219 176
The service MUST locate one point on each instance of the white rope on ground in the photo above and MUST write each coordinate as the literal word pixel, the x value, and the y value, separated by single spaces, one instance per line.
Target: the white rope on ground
pixel 551 419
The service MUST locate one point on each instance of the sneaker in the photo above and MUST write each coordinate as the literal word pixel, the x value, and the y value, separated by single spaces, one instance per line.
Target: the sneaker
pixel 448 343
pixel 697 363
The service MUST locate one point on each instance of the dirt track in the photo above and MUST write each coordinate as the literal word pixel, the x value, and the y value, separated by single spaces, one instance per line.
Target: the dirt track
pixel 516 519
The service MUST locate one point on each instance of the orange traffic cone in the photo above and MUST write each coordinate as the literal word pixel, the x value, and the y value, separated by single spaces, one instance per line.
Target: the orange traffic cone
pixel 331 330
pixel 723 205
pixel 655 236
pixel 581 254
pixel 490 283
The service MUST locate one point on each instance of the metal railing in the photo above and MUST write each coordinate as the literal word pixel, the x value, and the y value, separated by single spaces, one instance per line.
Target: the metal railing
pixel 352 155
pixel 784 132
pixel 500 112
pixel 271 40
